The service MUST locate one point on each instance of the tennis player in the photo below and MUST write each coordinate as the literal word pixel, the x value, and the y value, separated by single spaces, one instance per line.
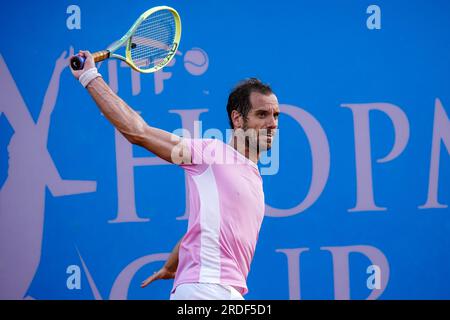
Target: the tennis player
pixel 212 260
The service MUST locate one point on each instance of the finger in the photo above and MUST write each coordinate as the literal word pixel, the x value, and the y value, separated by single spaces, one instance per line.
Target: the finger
pixel 147 282
pixel 144 284
pixel 84 53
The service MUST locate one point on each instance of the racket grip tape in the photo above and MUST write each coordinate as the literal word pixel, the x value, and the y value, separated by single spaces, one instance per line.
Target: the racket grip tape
pixel 77 62
pixel 101 55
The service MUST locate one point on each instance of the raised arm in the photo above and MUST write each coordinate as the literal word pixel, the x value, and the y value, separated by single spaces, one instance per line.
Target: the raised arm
pixel 130 123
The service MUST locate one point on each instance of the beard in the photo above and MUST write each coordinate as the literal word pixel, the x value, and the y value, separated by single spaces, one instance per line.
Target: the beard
pixel 258 139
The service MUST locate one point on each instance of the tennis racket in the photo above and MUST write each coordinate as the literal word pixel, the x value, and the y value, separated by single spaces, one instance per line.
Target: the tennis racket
pixel 150 44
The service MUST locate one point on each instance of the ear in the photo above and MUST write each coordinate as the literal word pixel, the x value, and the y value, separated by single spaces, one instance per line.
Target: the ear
pixel 237 119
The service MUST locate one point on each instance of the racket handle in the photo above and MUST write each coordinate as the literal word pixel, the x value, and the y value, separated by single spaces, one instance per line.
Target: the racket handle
pixel 100 55
pixel 77 62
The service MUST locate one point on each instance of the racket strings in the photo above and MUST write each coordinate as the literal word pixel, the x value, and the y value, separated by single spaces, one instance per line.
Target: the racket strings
pixel 153 39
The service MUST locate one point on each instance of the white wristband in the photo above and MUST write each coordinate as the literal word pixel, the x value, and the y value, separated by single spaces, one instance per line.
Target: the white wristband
pixel 88 76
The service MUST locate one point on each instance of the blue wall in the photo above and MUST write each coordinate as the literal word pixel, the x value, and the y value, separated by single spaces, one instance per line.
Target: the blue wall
pixel 320 57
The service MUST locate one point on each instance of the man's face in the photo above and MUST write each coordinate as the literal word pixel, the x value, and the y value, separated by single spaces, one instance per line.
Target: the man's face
pixel 263 118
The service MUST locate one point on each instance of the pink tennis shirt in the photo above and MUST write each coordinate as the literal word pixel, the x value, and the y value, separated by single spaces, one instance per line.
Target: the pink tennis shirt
pixel 226 209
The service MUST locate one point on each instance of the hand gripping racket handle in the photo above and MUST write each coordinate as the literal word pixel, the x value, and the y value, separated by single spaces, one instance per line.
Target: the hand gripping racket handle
pixel 77 62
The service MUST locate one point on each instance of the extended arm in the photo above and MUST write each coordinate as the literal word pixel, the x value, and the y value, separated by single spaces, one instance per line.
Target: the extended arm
pixel 130 123
pixel 169 269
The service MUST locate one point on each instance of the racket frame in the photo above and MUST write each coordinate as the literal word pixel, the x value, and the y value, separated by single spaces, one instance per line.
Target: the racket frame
pixel 127 39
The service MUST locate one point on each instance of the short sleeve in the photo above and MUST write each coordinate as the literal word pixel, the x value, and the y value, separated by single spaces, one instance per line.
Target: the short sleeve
pixel 202 154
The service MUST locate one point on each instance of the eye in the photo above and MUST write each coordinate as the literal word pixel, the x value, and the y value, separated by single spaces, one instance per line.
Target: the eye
pixel 262 114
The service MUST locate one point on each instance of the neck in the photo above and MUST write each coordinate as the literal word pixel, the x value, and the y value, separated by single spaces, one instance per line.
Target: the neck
pixel 243 148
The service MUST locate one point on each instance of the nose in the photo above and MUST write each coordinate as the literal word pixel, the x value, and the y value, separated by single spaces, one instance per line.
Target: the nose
pixel 272 122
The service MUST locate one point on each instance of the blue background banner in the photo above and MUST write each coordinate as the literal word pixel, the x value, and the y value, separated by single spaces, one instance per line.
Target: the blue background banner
pixel 357 189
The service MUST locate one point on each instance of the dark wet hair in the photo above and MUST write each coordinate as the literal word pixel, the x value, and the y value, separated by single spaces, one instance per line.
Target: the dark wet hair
pixel 239 98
